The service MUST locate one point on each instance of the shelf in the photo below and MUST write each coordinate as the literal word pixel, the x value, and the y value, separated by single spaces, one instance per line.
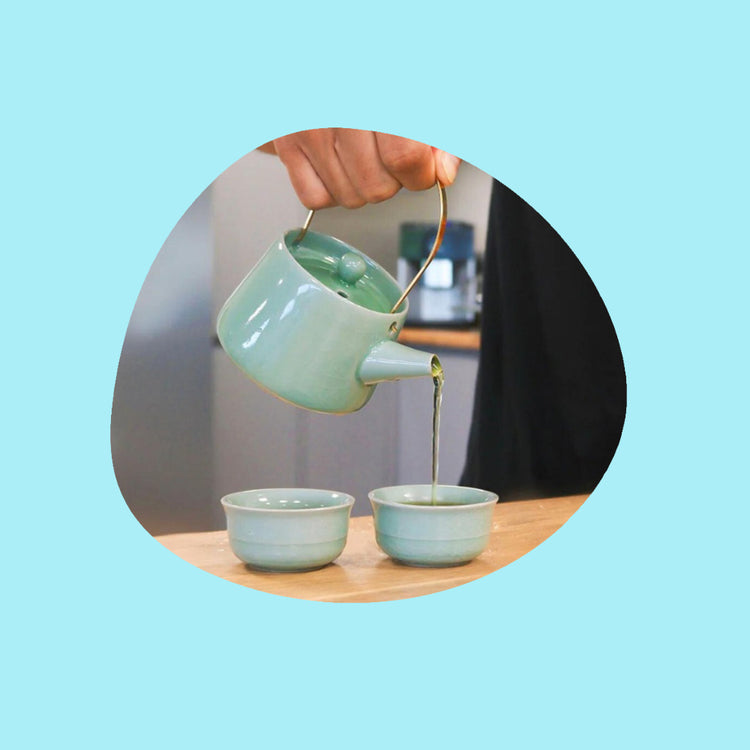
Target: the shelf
pixel 445 338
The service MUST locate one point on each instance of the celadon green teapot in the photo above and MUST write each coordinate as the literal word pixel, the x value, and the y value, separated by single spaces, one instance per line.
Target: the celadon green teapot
pixel 315 323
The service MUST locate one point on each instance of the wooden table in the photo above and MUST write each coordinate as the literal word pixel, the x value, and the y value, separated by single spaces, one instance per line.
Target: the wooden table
pixel 365 574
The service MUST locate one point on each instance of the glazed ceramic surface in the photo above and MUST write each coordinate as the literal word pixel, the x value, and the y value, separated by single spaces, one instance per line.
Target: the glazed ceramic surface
pixel 311 323
pixel 287 529
pixel 452 532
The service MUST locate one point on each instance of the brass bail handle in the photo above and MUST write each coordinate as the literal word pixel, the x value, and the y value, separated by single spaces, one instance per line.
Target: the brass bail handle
pixel 433 252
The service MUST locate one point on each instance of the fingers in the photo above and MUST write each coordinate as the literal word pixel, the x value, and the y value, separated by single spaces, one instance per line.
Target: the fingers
pixel 305 180
pixel 320 148
pixel 410 162
pixel 316 172
pixel 346 167
pixel 358 153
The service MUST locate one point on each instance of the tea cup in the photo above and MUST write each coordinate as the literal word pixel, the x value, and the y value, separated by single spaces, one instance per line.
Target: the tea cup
pixel 287 529
pixel 413 530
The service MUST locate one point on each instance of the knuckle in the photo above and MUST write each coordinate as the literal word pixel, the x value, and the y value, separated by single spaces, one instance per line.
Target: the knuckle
pixel 337 139
pixel 316 134
pixel 404 158
pixel 286 152
pixel 379 192
pixel 314 197
pixel 352 201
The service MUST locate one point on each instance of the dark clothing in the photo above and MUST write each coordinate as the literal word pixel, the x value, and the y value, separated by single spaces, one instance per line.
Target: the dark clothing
pixel 550 395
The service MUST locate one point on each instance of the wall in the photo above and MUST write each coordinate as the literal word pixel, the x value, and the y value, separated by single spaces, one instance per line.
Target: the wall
pixel 161 411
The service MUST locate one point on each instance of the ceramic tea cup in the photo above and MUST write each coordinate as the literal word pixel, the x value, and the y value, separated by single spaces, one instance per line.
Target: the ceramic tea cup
pixel 287 529
pixel 413 531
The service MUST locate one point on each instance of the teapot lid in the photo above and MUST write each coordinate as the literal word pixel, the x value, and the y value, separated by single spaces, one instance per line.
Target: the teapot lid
pixel 345 270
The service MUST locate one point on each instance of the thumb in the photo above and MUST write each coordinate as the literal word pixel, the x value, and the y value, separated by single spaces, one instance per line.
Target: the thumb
pixel 446 167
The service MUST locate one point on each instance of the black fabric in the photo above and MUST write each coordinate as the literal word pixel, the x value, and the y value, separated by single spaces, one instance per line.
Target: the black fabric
pixel 550 394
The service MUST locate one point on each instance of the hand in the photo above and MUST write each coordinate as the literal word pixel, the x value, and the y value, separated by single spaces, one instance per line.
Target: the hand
pixel 343 167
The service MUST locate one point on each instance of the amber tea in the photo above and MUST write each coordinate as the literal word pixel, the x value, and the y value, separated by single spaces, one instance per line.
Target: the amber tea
pixel 438 378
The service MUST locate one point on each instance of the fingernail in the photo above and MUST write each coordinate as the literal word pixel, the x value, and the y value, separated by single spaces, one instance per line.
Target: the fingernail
pixel 450 167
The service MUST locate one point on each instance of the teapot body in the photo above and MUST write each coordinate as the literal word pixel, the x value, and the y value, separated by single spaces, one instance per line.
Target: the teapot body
pixel 306 317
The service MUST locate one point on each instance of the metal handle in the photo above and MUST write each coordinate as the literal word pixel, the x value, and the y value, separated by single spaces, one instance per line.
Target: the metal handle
pixel 433 252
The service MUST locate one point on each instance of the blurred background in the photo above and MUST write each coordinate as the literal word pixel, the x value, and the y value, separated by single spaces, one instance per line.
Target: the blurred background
pixel 188 427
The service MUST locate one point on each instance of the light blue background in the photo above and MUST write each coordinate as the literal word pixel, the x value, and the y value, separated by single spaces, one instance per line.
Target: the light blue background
pixel 625 125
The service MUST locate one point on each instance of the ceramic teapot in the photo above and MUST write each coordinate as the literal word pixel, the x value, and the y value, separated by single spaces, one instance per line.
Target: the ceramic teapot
pixel 315 323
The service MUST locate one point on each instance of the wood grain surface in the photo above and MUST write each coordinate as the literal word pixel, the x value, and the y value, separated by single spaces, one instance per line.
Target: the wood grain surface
pixel 365 574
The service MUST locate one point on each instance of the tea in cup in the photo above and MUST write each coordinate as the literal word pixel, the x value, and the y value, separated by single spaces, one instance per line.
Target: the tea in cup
pixel 416 528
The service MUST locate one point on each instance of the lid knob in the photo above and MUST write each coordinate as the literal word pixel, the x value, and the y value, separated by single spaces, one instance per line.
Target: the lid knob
pixel 351 267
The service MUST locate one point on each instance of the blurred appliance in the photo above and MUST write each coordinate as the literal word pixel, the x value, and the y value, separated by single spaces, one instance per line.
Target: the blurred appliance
pixel 447 293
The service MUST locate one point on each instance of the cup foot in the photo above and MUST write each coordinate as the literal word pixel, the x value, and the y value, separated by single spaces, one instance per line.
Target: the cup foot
pixel 412 564
pixel 264 569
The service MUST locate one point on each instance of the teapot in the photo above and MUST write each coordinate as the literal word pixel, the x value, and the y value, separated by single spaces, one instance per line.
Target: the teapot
pixel 315 322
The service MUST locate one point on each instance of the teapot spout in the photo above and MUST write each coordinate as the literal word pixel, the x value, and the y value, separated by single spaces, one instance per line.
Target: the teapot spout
pixel 390 360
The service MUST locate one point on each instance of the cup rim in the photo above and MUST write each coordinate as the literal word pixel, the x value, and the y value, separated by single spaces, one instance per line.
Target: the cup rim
pixel 491 499
pixel 347 500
